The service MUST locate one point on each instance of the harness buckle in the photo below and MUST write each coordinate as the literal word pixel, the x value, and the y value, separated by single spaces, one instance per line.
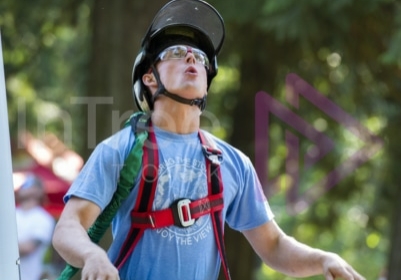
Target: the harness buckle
pixel 184 213
pixel 213 155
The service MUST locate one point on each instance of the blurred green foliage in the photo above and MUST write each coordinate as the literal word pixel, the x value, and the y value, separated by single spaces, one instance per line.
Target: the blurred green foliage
pixel 45 49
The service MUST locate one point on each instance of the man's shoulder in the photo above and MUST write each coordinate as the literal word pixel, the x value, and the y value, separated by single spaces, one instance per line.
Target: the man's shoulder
pixel 120 138
pixel 122 133
pixel 224 146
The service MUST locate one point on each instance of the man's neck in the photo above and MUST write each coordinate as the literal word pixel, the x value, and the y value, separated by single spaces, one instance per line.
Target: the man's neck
pixel 176 117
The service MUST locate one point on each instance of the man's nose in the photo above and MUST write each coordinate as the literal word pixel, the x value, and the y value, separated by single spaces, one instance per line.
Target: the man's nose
pixel 190 57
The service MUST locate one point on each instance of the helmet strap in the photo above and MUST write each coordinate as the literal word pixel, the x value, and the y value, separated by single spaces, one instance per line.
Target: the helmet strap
pixel 200 102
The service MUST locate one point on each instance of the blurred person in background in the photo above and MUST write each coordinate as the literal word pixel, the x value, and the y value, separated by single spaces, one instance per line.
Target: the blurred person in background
pixel 35 227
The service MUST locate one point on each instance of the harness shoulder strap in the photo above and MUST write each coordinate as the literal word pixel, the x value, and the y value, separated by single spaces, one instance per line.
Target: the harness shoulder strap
pixel 215 185
pixel 146 189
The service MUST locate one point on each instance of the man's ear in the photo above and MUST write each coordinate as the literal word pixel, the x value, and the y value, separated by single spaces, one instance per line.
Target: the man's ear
pixel 149 79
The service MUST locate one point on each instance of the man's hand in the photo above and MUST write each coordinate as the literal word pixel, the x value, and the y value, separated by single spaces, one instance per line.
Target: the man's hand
pixel 72 241
pixel 99 267
pixel 285 254
pixel 335 267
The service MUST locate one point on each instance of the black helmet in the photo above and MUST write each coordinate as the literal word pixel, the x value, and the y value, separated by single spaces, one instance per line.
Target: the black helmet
pixel 191 22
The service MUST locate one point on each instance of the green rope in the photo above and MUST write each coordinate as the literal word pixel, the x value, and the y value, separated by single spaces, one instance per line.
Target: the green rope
pixel 126 182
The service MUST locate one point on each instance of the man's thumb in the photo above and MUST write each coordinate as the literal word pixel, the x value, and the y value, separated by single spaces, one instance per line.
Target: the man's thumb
pixel 329 276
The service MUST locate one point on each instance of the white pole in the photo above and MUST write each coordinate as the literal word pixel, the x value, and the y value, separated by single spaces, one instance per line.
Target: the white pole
pixel 9 255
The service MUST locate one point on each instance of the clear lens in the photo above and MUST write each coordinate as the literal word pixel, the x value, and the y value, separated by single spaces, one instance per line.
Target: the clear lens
pixel 180 51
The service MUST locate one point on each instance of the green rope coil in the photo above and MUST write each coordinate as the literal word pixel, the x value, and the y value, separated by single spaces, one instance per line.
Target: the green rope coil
pixel 128 174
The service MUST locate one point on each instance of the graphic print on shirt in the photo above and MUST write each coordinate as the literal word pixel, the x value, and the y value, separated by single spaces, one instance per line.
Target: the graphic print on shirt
pixel 189 182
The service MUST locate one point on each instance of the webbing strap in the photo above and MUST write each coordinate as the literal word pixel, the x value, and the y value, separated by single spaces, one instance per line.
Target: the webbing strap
pixel 167 217
pixel 215 185
pixel 146 192
pixel 126 182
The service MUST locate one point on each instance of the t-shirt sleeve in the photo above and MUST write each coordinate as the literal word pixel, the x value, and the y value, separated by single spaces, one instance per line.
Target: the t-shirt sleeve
pixel 249 208
pixel 98 179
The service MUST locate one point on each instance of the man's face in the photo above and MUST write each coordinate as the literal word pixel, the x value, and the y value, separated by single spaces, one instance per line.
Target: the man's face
pixel 29 195
pixel 182 70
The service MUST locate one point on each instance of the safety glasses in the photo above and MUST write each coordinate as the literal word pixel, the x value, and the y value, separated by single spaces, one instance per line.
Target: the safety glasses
pixel 180 51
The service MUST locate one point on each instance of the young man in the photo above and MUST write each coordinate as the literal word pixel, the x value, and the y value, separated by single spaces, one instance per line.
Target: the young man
pixel 170 226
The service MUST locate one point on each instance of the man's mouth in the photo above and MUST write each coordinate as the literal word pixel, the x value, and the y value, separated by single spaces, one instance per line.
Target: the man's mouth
pixel 191 70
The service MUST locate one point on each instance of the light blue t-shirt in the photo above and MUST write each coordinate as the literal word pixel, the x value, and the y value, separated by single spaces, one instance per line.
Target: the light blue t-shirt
pixel 174 252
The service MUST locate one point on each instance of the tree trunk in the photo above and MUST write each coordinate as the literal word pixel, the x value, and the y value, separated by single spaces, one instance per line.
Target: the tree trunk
pixel 255 76
pixel 394 270
pixel 394 191
pixel 118 28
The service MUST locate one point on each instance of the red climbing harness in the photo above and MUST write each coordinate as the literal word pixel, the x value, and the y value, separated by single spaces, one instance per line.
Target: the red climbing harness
pixel 183 212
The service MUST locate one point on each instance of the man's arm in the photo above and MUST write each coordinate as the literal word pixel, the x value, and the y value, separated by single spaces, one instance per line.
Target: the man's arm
pixel 72 242
pixel 285 254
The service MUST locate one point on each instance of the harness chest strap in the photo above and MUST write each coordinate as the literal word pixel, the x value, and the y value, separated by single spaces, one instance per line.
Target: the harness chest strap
pixel 183 213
